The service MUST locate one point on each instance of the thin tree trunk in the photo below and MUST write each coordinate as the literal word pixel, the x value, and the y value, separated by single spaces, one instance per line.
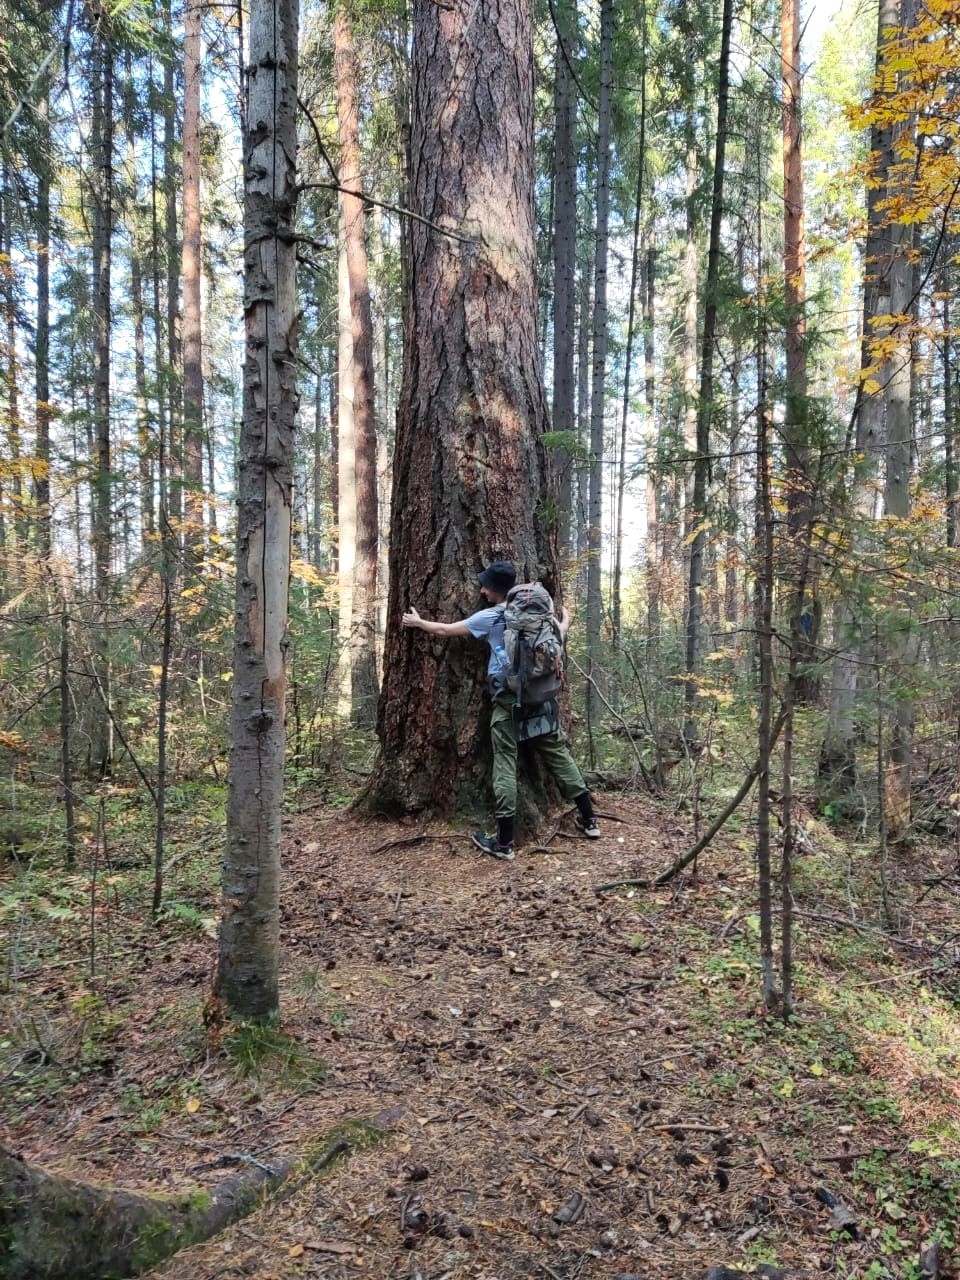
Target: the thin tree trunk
pixel 654 479
pixel 899 445
pixel 580 496
pixel 363 617
pixel 599 365
pixel 43 410
pixel 248 962
pixel 949 428
pixel 66 749
pixel 764 602
pixel 635 273
pixel 837 768
pixel 173 380
pixel 191 267
pixel 102 519
pixel 321 464
pixel 800 495
pixel 701 468
pixel 145 448
pixel 346 469
pixel 14 423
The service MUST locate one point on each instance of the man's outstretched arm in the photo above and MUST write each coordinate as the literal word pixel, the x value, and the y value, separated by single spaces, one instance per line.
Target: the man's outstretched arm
pixel 447 629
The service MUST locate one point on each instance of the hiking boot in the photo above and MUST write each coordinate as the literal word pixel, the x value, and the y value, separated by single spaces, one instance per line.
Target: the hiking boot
pixel 589 826
pixel 491 845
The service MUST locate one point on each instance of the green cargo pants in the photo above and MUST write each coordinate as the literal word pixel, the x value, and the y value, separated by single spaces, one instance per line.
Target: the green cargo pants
pixel 552 749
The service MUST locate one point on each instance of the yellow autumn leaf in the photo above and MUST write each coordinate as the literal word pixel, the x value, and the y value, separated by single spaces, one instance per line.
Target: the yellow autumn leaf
pixel 193 1105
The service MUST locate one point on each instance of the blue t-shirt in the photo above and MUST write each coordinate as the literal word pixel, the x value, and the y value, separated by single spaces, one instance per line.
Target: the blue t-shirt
pixel 489 625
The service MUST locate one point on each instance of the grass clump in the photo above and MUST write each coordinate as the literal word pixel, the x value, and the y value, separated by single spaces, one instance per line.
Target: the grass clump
pixel 254 1047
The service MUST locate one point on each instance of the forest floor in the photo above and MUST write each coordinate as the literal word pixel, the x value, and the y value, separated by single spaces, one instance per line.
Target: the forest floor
pixel 568 1085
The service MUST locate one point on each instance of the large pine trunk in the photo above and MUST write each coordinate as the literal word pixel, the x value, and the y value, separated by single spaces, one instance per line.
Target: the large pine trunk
pixel 247 974
pixel 564 265
pixel 469 469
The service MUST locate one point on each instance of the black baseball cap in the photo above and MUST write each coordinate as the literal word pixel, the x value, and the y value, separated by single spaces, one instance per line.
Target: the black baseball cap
pixel 499 576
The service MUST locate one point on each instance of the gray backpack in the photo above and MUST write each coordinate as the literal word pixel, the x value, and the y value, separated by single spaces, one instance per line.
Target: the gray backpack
pixel 534 645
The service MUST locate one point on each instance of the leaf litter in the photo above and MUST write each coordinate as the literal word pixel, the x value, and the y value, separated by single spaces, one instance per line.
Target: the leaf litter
pixel 576 1086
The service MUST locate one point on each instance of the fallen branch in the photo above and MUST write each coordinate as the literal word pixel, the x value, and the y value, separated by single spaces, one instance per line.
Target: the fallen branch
pixel 56 1228
pixel 685 859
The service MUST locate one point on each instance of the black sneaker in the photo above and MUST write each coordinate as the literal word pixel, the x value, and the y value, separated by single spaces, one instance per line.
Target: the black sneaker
pixel 589 826
pixel 491 845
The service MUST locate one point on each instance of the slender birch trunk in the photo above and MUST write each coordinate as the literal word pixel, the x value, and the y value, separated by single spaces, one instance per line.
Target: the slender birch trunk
pixel 248 964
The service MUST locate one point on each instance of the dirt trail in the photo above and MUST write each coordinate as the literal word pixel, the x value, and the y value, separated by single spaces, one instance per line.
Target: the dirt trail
pixel 551 1093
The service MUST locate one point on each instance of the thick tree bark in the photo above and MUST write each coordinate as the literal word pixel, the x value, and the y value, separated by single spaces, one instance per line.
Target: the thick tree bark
pixel 247 973
pixel 362 621
pixel 564 263
pixel 469 468
pixel 191 267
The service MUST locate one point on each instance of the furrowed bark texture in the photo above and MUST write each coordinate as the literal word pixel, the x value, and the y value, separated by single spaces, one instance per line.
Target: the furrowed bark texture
pixel 248 960
pixel 564 261
pixel 469 471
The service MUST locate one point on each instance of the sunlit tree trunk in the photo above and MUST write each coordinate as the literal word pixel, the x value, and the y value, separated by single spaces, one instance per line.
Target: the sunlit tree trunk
pixel 248 964
pixel 362 626
pixel 101 145
pixel 346 467
pixel 469 468
pixel 579 496
pixel 636 275
pixel 903 644
pixel 42 384
pixel 191 267
pixel 837 767
pixel 701 467
pixel 172 382
pixel 652 552
pixel 599 363
pixel 11 370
